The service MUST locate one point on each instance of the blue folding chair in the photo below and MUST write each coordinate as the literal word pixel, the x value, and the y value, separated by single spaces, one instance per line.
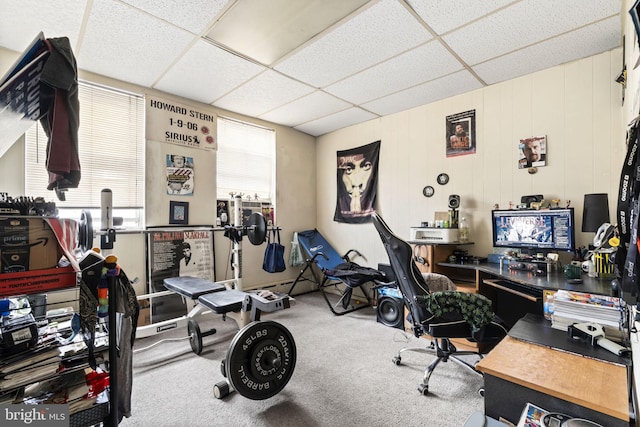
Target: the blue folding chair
pixel 337 271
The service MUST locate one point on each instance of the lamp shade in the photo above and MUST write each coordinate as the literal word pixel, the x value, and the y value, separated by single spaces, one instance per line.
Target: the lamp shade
pixel 596 211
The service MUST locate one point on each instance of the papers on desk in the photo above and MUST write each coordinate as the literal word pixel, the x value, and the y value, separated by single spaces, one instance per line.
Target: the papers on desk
pixel 577 307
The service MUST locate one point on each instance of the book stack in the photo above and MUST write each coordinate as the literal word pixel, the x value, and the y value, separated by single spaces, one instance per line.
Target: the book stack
pixel 578 307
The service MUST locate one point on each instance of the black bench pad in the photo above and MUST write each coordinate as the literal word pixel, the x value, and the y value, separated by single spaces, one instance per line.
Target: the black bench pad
pixel 192 287
pixel 223 302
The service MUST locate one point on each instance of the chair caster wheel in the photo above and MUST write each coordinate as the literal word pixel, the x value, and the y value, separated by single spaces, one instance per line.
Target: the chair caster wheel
pixel 423 389
pixel 396 360
pixel 221 390
pixel 481 392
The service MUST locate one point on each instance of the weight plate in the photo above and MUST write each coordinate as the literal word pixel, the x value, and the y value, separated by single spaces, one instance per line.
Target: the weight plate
pixel 257 229
pixel 261 360
pixel 85 231
pixel 195 337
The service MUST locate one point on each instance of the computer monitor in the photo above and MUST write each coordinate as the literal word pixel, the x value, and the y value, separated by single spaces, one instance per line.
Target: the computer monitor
pixel 534 230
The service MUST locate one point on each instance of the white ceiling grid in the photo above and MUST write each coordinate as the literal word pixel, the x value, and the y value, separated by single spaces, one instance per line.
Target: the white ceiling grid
pixel 317 65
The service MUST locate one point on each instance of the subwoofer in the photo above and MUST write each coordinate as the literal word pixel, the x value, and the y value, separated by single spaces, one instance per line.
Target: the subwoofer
pixel 390 312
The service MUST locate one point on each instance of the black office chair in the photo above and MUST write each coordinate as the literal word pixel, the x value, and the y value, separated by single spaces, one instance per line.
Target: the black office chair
pixel 442 315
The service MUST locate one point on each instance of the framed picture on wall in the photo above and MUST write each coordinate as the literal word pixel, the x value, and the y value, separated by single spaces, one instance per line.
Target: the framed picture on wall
pixel 178 212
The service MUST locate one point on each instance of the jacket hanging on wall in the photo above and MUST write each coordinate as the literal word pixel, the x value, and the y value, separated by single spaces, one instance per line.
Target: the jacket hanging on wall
pixel 274 254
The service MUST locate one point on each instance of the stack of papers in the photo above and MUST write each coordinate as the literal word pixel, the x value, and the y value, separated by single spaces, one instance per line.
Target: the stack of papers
pixel 578 307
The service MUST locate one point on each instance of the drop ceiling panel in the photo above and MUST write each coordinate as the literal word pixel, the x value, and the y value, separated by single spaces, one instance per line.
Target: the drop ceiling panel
pixel 419 65
pixel 263 93
pixel 22 20
pixel 192 15
pixel 524 23
pixel 451 85
pixel 206 73
pixel 128 45
pixel 307 108
pixel 336 121
pixel 267 30
pixel 575 45
pixel 378 33
pixel 441 18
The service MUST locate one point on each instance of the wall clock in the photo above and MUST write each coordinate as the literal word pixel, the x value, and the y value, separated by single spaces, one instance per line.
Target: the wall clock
pixel 428 191
pixel 443 178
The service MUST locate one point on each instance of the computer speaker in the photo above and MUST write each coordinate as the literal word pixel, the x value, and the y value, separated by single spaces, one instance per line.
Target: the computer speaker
pixel 390 312
pixel 454 201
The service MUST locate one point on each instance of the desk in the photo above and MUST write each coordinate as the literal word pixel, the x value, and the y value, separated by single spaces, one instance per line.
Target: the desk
pixel 517 372
pixel 515 293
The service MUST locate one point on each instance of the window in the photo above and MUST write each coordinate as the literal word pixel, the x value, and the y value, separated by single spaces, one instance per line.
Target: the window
pixel 111 149
pixel 245 160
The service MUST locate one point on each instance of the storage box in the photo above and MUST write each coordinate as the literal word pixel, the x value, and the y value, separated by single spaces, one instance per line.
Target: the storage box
pixel 144 318
pixel 37 281
pixel 27 244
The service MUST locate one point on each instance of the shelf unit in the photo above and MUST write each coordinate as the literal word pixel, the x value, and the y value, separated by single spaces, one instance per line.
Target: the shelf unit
pixel 105 413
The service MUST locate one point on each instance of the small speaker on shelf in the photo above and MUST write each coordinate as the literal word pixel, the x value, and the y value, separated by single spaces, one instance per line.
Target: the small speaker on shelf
pixel 454 201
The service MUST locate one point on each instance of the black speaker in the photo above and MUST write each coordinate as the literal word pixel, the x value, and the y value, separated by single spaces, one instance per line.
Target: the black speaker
pixel 390 312
pixel 454 201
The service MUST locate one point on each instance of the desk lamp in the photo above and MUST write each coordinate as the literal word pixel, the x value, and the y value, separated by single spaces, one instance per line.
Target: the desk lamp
pixel 596 212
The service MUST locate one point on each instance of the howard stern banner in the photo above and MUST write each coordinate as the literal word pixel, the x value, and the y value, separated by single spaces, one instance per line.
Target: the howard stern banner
pixel 357 183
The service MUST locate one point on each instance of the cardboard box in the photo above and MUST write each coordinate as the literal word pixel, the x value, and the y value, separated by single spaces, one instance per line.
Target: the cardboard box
pixel 27 244
pixel 145 312
pixel 37 281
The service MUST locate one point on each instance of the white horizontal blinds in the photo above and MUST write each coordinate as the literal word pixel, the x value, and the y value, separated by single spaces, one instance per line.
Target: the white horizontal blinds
pixel 111 148
pixel 245 159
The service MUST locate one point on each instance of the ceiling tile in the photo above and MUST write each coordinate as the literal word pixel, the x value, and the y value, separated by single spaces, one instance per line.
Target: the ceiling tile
pixel 263 93
pixel 22 20
pixel 307 108
pixel 524 23
pixel 441 18
pixel 578 44
pixel 126 44
pixel 206 73
pixel 192 15
pixel 378 33
pixel 336 121
pixel 419 65
pixel 445 87
pixel 267 30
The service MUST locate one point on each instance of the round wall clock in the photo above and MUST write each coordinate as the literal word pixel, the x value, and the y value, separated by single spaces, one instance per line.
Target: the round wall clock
pixel 428 191
pixel 443 178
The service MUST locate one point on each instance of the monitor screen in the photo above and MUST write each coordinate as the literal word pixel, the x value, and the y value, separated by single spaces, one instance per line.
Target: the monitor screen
pixel 539 230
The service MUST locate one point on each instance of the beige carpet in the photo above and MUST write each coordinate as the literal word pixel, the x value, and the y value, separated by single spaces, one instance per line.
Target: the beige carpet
pixel 344 376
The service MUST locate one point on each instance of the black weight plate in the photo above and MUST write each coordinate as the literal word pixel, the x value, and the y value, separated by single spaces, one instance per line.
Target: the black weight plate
pixel 257 229
pixel 85 231
pixel 261 360
pixel 195 337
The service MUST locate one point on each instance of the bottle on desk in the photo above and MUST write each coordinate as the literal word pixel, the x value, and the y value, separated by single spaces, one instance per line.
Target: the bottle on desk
pixel 463 230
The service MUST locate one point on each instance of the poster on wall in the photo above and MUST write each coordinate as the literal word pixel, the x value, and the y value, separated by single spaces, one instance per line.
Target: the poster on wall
pixel 461 133
pixel 180 175
pixel 175 252
pixel 168 121
pixel 532 152
pixel 357 183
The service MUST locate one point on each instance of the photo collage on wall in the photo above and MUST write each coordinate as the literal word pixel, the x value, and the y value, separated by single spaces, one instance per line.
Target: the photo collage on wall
pixel 180 175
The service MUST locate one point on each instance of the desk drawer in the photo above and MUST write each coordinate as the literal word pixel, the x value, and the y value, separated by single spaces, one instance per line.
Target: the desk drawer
pixel 529 293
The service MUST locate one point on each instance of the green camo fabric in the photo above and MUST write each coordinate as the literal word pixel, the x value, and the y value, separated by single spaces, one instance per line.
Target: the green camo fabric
pixel 474 308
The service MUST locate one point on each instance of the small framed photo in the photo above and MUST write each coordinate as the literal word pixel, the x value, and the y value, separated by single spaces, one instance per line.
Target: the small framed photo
pixel 179 213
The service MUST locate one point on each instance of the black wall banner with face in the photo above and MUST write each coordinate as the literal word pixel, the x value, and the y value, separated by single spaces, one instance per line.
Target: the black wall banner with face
pixel 357 183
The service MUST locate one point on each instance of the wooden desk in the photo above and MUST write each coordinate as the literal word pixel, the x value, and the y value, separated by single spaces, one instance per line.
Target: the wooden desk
pixel 517 372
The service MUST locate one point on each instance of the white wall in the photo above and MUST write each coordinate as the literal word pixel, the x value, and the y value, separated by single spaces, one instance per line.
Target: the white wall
pixel 576 105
